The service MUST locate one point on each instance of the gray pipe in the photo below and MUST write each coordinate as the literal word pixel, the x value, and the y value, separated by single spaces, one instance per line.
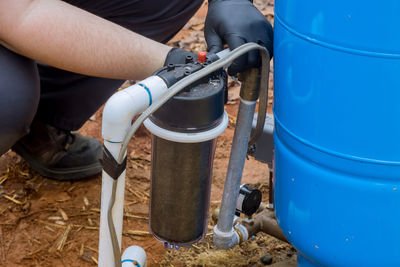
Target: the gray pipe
pixel 224 234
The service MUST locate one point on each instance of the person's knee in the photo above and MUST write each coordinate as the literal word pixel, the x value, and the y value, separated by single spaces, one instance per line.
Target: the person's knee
pixel 19 90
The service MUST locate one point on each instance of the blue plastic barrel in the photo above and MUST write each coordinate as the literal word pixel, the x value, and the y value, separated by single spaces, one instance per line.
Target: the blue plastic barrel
pixel 337 130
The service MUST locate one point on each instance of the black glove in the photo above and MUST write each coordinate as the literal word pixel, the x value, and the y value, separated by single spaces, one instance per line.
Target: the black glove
pixel 179 56
pixel 236 22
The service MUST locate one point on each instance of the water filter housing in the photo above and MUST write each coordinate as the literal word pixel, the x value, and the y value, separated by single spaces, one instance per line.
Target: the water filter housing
pixel 184 132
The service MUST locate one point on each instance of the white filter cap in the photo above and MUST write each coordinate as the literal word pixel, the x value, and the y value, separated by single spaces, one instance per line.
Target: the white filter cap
pixel 188 137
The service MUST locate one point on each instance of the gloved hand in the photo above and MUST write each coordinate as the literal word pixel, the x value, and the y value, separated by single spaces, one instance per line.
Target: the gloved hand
pixel 178 56
pixel 236 22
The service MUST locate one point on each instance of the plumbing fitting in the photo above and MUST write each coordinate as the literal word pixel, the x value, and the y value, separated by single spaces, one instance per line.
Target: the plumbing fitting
pixel 225 240
pixel 264 221
pixel 250 88
pixel 237 235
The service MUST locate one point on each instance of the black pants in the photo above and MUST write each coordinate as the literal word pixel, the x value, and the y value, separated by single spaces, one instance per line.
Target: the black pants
pixel 64 99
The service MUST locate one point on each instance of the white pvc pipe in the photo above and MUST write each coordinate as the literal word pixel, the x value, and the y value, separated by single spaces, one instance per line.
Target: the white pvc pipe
pixel 124 105
pixel 118 113
pixel 106 255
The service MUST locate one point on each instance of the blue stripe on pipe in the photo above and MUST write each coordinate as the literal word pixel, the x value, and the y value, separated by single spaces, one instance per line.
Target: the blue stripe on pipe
pixel 113 142
pixel 134 262
pixel 148 91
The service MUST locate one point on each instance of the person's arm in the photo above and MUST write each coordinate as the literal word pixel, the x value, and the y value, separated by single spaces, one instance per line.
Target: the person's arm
pixel 69 38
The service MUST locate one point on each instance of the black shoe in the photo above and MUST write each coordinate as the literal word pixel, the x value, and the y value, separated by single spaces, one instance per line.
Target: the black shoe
pixel 60 154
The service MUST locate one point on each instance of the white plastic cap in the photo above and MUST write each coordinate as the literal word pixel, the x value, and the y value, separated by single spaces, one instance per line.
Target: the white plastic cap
pixel 134 256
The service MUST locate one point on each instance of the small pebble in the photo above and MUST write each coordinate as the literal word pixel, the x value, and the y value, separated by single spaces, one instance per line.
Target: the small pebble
pixel 266 259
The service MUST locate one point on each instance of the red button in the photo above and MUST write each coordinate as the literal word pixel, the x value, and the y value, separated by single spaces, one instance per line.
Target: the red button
pixel 202 57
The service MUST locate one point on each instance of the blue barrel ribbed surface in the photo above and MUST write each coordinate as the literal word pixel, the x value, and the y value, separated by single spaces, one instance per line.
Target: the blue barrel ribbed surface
pixel 337 130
